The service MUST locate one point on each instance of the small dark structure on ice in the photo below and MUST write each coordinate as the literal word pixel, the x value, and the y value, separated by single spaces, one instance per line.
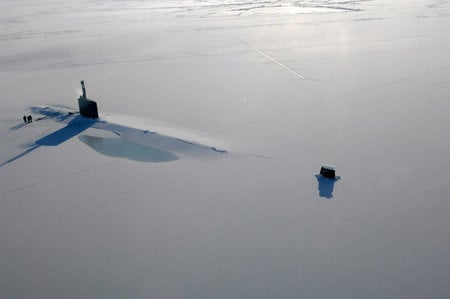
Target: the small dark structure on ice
pixel 88 108
pixel 328 172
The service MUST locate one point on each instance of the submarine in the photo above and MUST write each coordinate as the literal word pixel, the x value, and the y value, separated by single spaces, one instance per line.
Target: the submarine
pixel 88 108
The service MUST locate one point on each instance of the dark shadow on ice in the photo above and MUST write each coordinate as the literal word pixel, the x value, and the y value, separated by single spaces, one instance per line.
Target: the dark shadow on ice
pixel 27 151
pixel 120 148
pixel 61 113
pixel 73 128
pixel 326 185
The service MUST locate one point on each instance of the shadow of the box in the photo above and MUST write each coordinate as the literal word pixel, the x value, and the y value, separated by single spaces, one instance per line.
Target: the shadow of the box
pixel 326 185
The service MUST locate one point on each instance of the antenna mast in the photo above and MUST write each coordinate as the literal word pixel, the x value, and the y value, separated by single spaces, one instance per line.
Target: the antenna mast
pixel 84 89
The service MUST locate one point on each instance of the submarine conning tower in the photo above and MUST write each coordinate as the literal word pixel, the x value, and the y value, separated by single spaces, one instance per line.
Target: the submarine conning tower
pixel 88 108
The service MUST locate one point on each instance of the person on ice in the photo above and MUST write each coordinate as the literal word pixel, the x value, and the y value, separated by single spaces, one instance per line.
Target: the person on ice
pixel 29 118
pixel 24 119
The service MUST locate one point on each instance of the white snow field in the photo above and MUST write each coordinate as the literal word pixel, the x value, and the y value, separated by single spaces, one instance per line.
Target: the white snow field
pixel 198 181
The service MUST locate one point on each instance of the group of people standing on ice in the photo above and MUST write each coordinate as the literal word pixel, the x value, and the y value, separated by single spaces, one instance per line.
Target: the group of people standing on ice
pixel 27 119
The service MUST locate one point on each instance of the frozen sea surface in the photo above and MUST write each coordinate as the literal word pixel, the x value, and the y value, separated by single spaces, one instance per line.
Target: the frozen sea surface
pixel 285 87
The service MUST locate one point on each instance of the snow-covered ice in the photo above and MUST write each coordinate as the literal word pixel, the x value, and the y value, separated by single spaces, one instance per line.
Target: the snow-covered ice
pixel 143 203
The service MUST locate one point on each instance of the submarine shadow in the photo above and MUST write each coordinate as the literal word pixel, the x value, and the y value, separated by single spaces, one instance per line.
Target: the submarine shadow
pixel 73 128
pixel 120 148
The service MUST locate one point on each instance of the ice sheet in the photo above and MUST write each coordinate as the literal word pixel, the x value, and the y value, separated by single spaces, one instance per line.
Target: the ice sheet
pixel 78 220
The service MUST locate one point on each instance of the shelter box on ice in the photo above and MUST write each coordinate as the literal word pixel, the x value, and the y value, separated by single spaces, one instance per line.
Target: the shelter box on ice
pixel 328 171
